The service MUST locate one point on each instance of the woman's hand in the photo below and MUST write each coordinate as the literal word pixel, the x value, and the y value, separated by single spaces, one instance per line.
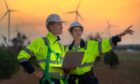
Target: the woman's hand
pixel 127 31
pixel 68 69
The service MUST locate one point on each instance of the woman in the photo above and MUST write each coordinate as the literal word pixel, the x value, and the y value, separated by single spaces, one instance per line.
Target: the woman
pixel 84 74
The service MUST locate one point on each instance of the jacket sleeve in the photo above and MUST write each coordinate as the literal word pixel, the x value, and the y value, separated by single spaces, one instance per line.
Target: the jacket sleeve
pixel 105 45
pixel 115 40
pixel 26 54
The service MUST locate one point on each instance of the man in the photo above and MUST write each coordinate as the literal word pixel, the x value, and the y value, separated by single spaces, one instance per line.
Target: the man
pixel 48 52
pixel 84 74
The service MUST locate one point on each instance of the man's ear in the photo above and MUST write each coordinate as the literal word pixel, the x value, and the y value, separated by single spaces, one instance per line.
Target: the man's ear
pixel 50 27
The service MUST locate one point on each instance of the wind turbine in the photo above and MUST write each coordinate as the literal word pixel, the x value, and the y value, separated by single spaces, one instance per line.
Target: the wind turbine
pixel 109 26
pixel 8 13
pixel 76 12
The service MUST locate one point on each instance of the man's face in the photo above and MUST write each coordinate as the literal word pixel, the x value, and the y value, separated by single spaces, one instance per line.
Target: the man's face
pixel 57 28
pixel 76 33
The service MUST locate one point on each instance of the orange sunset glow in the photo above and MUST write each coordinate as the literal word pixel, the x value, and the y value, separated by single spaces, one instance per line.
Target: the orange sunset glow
pixel 31 14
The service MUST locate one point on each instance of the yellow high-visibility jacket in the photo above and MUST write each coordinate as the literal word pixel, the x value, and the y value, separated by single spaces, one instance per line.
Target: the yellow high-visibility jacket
pixel 91 50
pixel 38 49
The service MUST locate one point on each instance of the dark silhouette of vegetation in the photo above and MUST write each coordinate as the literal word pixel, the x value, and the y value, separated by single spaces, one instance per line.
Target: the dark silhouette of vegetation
pixel 135 47
pixel 111 59
pixel 8 55
pixel 8 63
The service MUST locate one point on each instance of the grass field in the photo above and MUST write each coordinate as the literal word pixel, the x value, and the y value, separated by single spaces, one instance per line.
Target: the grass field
pixel 128 56
pixel 128 72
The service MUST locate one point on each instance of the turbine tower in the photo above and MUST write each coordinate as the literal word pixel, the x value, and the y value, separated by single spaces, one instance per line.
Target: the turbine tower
pixel 109 26
pixel 8 13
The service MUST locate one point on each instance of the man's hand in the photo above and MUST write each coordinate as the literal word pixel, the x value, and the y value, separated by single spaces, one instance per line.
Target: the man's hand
pixel 38 73
pixel 127 31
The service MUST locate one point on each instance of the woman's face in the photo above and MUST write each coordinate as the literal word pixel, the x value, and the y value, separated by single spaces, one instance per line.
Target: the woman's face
pixel 77 32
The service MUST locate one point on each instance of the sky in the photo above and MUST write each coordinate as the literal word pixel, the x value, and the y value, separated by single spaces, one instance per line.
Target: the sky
pixel 31 15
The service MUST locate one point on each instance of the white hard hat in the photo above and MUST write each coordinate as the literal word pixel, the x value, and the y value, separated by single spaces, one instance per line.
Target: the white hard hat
pixel 53 18
pixel 75 24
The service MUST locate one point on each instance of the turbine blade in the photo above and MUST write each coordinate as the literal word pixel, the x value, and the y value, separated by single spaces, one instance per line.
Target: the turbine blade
pixel 107 21
pixel 71 12
pixel 6 5
pixel 78 5
pixel 14 11
pixel 109 25
pixel 3 16
pixel 113 26
pixel 79 15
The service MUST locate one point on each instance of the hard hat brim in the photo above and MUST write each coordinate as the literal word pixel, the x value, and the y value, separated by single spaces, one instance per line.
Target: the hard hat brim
pixel 70 28
pixel 59 21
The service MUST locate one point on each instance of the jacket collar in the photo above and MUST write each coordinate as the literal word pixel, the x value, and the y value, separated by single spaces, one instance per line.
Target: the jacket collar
pixel 82 44
pixel 51 37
